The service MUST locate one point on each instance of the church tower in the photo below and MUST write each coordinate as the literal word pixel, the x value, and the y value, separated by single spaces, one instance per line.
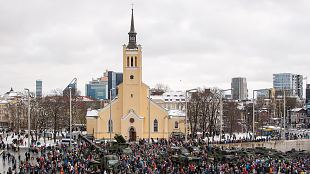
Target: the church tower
pixel 132 72
pixel 132 113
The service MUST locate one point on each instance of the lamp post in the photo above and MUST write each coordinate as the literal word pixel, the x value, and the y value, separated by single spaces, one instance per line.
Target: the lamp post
pixel 187 91
pixel 284 114
pixel 70 122
pixel 72 85
pixel 110 119
pixel 149 115
pixel 253 124
pixel 221 111
pixel 29 133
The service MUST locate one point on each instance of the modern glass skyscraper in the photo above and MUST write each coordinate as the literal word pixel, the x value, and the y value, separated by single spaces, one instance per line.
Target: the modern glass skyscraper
pixel 71 86
pixel 239 88
pixel 97 89
pixel 114 80
pixel 39 88
pixel 100 88
pixel 291 83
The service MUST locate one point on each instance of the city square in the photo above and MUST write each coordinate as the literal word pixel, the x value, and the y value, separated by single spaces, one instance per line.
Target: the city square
pixel 129 120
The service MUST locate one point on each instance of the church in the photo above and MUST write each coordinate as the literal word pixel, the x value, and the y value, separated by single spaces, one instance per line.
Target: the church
pixel 132 113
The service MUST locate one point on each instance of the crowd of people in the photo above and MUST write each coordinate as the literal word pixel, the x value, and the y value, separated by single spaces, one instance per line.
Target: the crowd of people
pixel 152 158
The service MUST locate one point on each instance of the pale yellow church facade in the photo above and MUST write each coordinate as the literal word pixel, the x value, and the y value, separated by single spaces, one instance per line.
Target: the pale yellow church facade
pixel 133 114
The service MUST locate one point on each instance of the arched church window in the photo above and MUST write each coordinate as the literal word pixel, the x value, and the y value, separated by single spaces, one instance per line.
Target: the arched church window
pixel 131 63
pixel 176 124
pixel 110 126
pixel 155 125
pixel 131 77
pixel 136 61
pixel 127 61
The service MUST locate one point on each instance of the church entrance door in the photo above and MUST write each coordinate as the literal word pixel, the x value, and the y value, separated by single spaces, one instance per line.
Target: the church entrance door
pixel 132 134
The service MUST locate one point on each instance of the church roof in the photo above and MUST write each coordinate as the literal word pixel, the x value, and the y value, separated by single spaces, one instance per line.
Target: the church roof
pixel 132 113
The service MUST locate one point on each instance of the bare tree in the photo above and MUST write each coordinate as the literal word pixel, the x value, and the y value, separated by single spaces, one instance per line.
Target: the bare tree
pixel 232 115
pixel 194 112
pixel 55 107
pixel 159 89
pixel 203 111
pixel 17 112
pixel 80 109
pixel 214 111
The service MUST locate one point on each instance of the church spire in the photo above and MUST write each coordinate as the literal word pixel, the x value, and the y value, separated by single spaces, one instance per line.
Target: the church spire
pixel 132 25
pixel 132 34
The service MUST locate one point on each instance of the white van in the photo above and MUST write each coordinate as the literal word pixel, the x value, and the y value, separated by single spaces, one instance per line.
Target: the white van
pixel 66 141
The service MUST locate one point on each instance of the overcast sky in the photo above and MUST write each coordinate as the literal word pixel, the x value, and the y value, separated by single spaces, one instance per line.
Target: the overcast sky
pixel 185 43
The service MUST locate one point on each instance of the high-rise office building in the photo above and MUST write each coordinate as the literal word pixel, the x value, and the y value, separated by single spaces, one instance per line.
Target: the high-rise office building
pixel 291 83
pixel 72 86
pixel 239 88
pixel 39 88
pixel 114 79
pixel 100 88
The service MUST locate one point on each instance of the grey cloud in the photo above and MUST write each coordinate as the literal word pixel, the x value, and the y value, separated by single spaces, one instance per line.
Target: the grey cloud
pixel 201 43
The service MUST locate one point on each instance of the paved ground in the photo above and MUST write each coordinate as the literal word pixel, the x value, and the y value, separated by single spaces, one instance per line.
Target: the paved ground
pixel 4 165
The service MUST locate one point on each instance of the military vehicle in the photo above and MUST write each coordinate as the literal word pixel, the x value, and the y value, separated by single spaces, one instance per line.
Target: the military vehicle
pixel 182 155
pixel 110 163
pixel 94 165
pixel 177 135
pixel 178 151
pixel 120 146
pixel 193 159
pixel 126 151
pixel 194 149
pixel 162 155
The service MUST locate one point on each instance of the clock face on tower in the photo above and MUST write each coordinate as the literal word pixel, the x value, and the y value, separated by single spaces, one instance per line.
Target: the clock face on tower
pixel 132 38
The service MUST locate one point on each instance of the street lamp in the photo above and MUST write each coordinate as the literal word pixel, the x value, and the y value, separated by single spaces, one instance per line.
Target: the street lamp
pixel 29 133
pixel 187 91
pixel 253 126
pixel 70 122
pixel 110 120
pixel 149 115
pixel 72 85
pixel 221 110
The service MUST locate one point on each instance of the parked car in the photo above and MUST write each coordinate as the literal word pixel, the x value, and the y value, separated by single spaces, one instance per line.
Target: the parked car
pixel 66 141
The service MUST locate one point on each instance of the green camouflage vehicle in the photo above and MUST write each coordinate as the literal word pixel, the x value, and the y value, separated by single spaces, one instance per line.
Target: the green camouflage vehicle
pixel 120 146
pixel 110 163
pixel 177 135
pixel 182 155
pixel 126 151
